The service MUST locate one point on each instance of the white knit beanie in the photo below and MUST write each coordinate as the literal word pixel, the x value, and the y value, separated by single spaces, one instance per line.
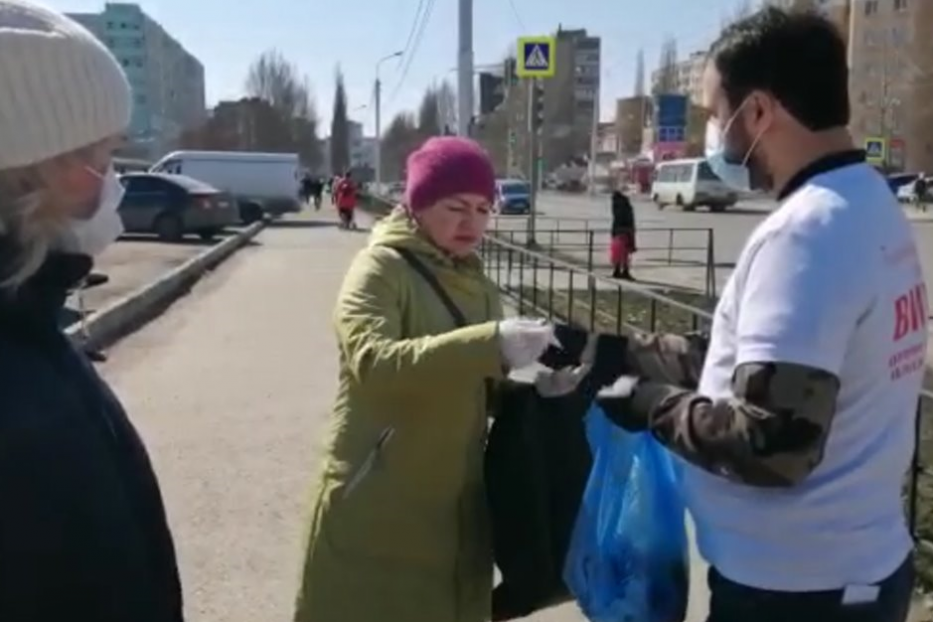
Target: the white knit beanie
pixel 60 88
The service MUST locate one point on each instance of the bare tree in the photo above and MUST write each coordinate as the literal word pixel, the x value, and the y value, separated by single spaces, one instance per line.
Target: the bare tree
pixel 447 108
pixel 429 123
pixel 286 119
pixel 339 128
pixel 668 76
pixel 399 140
pixel 640 73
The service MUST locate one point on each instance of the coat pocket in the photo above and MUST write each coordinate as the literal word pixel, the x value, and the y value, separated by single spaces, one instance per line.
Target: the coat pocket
pixel 369 463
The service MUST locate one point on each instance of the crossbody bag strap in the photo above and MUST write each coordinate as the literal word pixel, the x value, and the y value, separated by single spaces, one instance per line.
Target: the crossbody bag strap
pixel 430 278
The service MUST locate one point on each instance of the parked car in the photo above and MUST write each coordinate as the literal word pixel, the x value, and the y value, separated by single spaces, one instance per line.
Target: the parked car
pixel 898 181
pixel 690 183
pixel 513 196
pixel 260 183
pixel 905 193
pixel 172 206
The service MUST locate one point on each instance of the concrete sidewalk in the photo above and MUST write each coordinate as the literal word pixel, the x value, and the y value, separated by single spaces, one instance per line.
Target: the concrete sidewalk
pixel 232 390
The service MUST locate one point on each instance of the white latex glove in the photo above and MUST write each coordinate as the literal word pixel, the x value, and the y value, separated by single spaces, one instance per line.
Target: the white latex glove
pixel 522 341
pixel 622 388
pixel 558 382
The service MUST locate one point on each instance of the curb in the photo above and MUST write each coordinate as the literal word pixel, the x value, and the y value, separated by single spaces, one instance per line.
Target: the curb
pixel 122 316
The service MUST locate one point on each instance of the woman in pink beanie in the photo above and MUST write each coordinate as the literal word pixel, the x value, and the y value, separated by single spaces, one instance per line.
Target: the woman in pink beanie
pixel 400 529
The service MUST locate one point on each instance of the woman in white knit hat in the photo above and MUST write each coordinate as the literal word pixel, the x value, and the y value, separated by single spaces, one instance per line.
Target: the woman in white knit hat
pixel 83 533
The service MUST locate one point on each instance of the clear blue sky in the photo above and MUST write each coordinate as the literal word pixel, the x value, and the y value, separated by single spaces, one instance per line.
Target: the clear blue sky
pixel 226 35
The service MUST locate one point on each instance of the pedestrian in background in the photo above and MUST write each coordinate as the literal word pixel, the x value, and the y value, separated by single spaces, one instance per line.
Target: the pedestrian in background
pixel 921 186
pixel 399 528
pixel 346 200
pixel 622 241
pixel 317 190
pixel 800 434
pixel 83 532
pixel 306 188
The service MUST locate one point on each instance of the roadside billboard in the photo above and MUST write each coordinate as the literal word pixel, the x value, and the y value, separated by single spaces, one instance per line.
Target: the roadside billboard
pixel 671 110
pixel 671 114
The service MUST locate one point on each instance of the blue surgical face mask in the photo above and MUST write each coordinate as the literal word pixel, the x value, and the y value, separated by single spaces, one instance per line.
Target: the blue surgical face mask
pixel 733 173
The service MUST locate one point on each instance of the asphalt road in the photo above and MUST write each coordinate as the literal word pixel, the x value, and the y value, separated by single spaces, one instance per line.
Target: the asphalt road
pixel 730 231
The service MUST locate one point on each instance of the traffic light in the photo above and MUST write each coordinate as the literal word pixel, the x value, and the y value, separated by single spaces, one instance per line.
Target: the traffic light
pixel 512 137
pixel 537 108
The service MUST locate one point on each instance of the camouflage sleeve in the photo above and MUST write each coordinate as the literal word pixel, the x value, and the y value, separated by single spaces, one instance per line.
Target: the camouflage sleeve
pixel 671 359
pixel 771 433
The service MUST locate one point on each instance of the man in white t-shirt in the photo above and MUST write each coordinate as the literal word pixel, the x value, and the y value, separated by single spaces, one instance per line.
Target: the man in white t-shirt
pixel 802 427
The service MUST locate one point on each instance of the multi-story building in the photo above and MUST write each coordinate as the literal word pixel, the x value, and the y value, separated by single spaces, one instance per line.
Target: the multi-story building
pixel 891 79
pixel 632 115
pixel 571 98
pixel 890 76
pixel 355 140
pixel 688 76
pixel 167 81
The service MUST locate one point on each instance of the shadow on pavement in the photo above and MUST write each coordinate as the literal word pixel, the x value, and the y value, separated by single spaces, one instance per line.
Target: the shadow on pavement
pixel 300 224
pixel 746 211
pixel 189 240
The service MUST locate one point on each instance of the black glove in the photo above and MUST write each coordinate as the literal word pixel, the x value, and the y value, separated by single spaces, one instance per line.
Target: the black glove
pixel 617 401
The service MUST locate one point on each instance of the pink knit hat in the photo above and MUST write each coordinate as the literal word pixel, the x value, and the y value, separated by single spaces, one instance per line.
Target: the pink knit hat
pixel 445 166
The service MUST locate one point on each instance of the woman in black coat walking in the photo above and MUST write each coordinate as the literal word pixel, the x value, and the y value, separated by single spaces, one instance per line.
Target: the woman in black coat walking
pixel 622 243
pixel 83 532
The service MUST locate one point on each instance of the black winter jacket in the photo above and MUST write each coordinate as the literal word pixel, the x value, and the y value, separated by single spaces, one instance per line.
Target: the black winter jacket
pixel 83 533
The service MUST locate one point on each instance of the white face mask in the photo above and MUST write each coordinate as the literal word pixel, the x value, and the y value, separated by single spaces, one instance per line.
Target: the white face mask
pixel 93 235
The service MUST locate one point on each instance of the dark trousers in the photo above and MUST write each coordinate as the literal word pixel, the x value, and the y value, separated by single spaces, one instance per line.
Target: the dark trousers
pixel 732 602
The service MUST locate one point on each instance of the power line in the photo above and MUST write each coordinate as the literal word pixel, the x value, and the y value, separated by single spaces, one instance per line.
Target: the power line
pixel 414 27
pixel 416 43
pixel 517 16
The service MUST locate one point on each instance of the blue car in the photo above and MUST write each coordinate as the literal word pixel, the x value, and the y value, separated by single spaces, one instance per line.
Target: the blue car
pixel 513 196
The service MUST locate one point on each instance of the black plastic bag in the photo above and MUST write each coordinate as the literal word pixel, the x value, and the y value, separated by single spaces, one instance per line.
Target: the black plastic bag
pixel 537 464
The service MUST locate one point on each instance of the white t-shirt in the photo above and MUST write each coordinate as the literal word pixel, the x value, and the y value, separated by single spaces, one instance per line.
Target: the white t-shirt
pixel 830 280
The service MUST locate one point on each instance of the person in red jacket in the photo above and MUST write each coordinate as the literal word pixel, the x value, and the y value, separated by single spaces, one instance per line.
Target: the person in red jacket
pixel 346 201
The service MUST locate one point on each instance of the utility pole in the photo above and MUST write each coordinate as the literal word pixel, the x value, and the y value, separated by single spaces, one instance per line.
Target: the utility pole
pixel 465 67
pixel 594 144
pixel 377 97
pixel 535 123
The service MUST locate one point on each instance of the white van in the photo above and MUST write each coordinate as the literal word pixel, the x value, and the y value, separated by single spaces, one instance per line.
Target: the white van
pixel 261 183
pixel 689 183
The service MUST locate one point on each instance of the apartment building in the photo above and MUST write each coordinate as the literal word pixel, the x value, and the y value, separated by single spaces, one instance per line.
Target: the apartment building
pixel 167 81
pixel 890 76
pixel 571 98
pixel 689 76
pixel 632 115
pixel 891 79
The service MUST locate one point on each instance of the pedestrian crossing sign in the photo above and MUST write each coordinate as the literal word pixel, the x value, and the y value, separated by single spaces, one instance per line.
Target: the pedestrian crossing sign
pixel 876 150
pixel 536 57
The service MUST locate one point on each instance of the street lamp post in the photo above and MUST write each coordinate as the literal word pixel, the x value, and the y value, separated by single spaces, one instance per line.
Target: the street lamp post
pixel 464 66
pixel 378 104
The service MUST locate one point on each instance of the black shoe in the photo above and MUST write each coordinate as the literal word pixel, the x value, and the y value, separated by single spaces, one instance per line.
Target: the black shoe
pixel 616 274
pixel 627 276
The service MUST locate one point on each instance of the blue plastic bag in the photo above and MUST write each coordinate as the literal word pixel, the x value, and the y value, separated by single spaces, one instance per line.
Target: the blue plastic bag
pixel 628 559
